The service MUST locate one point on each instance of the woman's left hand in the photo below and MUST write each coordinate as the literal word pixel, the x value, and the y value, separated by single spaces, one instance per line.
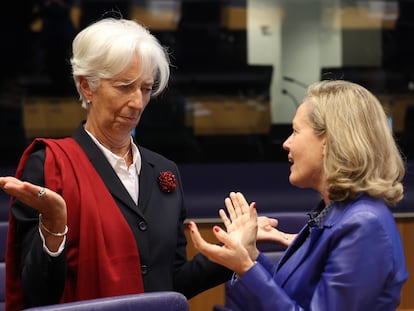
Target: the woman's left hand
pixel 239 242
pixel 267 232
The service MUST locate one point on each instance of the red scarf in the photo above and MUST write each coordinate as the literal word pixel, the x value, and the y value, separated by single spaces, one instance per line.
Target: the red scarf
pixel 102 257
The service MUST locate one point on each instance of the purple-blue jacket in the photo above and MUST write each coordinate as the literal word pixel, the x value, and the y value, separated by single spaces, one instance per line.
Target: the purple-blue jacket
pixel 354 261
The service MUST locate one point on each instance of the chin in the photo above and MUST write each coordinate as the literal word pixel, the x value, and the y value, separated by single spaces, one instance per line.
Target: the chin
pixel 292 180
pixel 296 182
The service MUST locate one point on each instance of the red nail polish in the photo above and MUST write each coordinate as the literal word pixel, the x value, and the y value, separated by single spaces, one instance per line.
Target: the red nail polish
pixel 254 204
pixel 216 229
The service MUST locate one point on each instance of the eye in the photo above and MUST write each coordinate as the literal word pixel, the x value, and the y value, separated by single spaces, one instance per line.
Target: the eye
pixel 124 87
pixel 146 89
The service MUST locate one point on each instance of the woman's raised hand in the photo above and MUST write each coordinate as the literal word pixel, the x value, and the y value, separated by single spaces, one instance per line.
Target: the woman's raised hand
pixel 238 251
pixel 50 205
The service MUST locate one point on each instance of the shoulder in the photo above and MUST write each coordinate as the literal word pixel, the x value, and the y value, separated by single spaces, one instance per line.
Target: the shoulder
pixel 368 208
pixel 366 215
pixel 362 208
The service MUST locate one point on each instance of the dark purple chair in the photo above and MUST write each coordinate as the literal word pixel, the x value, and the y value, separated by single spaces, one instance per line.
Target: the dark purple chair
pixel 3 240
pixel 2 285
pixel 4 225
pixel 154 301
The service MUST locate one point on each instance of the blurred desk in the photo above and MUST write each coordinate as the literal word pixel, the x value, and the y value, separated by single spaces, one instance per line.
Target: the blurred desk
pixel 224 115
pixel 396 107
pixel 51 116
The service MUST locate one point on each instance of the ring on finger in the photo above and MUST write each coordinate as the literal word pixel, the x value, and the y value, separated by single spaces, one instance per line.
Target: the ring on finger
pixel 42 193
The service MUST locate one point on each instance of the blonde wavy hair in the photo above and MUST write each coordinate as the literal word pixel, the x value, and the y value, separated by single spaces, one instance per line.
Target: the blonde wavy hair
pixel 361 155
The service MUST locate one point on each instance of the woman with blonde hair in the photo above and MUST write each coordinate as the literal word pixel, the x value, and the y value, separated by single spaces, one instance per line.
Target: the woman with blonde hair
pixel 349 256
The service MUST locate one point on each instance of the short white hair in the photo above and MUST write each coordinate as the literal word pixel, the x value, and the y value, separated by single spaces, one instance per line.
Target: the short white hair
pixel 106 47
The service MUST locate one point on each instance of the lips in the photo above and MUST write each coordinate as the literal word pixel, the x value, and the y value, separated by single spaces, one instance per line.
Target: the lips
pixel 290 160
pixel 130 119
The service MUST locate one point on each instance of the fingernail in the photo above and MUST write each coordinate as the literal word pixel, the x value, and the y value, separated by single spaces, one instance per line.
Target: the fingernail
pixel 254 204
pixel 216 229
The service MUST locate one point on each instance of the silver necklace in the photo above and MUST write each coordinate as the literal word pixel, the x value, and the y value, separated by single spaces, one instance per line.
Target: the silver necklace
pixel 126 154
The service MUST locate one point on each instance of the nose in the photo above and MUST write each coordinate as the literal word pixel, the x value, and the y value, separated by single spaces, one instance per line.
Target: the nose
pixel 136 100
pixel 286 143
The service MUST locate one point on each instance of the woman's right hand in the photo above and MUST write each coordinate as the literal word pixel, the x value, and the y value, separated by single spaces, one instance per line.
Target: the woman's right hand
pixel 51 206
pixel 242 218
pixel 238 250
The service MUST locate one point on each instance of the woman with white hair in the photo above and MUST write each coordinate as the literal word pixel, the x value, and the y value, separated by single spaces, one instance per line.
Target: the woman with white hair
pixel 97 215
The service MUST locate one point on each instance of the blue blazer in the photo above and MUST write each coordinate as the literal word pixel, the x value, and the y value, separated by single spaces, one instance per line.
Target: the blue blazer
pixel 354 261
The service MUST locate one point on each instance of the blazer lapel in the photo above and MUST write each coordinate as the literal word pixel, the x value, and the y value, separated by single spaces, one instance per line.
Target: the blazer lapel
pixel 303 246
pixel 297 253
pixel 104 169
pixel 146 182
pixel 300 239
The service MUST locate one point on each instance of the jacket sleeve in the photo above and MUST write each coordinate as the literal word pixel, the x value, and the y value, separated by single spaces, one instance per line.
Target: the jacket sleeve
pixel 358 274
pixel 43 276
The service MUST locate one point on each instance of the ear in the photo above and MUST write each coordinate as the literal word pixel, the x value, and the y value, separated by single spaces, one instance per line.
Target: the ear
pixel 85 89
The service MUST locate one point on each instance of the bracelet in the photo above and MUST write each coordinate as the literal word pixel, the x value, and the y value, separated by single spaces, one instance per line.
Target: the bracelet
pixel 50 232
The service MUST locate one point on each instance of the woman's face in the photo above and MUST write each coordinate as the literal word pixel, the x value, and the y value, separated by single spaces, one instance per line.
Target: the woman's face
pixel 117 104
pixel 305 152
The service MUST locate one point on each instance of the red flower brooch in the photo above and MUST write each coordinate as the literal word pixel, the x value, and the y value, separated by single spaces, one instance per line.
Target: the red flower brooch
pixel 167 181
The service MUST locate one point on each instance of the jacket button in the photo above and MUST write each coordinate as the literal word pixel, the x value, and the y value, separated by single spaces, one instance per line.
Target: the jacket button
pixel 142 226
pixel 144 269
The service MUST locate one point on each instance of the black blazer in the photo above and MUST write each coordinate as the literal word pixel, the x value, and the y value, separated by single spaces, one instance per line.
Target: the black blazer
pixel 156 222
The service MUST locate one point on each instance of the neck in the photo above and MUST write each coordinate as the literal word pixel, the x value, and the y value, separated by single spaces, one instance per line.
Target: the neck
pixel 118 144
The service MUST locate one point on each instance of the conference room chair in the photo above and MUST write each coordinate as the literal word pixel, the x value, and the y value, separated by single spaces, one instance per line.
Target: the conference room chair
pixel 154 301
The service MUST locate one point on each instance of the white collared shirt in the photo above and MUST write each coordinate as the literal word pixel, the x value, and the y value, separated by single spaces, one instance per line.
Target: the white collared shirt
pixel 129 176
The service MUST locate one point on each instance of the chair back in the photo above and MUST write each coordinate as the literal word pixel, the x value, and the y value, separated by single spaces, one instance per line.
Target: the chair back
pixel 4 225
pixel 165 301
